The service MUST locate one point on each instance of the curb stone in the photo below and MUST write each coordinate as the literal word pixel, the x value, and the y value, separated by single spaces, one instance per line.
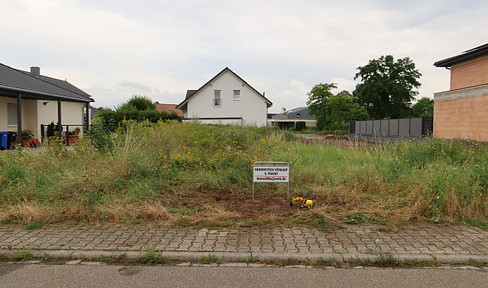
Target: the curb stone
pixel 238 257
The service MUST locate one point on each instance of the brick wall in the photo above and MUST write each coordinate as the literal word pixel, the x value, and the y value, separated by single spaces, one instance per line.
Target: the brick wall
pixel 469 74
pixel 462 118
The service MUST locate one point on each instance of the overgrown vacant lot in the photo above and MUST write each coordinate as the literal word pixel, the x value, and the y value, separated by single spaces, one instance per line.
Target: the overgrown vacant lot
pixel 200 175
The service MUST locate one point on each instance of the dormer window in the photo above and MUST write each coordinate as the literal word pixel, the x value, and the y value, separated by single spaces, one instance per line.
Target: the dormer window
pixel 217 101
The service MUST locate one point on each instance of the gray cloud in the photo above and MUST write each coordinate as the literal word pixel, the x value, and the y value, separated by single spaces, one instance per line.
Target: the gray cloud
pixel 109 48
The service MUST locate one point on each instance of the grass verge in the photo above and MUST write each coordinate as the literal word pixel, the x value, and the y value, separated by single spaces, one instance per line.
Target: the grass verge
pixel 200 176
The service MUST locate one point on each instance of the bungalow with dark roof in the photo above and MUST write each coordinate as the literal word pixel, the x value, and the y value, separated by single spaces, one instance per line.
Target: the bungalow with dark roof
pixel 29 99
pixel 288 119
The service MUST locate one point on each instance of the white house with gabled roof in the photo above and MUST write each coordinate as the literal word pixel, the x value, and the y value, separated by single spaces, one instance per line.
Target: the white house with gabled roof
pixel 226 99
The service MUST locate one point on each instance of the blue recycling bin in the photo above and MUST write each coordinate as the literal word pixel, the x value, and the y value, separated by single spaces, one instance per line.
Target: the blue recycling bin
pixel 3 140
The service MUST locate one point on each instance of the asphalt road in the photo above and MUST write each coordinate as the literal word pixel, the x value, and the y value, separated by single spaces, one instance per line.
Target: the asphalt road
pixel 40 275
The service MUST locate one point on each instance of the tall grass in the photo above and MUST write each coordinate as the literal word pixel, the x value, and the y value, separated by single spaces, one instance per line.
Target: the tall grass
pixel 166 171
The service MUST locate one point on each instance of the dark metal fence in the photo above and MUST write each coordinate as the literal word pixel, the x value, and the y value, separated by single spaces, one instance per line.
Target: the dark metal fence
pixel 391 130
pixel 70 133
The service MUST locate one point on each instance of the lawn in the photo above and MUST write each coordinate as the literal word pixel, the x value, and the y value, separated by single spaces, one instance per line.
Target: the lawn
pixel 196 175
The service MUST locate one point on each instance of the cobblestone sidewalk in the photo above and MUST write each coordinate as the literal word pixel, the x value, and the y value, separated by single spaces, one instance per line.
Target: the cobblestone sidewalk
pixel 414 241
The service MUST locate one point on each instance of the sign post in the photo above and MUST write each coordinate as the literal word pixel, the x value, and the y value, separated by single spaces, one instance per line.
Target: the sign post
pixel 271 172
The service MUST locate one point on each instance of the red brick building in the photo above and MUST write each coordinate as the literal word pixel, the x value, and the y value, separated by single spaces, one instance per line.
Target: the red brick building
pixel 169 108
pixel 462 112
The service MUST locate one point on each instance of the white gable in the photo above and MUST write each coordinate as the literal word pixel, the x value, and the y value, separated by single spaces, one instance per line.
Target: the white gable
pixel 250 106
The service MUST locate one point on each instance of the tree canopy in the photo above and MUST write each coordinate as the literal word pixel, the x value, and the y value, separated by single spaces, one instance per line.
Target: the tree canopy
pixel 424 107
pixel 317 102
pixel 387 87
pixel 139 103
pixel 336 109
pixel 344 107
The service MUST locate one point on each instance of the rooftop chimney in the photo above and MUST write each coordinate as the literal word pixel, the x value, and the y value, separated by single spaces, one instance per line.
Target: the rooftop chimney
pixel 35 71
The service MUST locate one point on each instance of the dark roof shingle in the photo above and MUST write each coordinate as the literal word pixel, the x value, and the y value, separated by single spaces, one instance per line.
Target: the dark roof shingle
pixel 21 81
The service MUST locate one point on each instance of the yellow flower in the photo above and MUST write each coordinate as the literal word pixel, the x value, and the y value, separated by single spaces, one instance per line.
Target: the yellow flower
pixel 256 159
pixel 60 154
pixel 438 197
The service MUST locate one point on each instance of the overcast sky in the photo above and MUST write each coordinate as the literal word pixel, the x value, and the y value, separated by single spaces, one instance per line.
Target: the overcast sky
pixel 113 49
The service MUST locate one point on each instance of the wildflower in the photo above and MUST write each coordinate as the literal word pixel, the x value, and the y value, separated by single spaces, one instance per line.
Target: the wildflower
pixel 438 197
pixel 60 154
pixel 256 159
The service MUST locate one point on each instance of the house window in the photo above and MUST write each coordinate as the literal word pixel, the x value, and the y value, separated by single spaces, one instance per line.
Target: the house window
pixel 11 114
pixel 217 101
pixel 298 115
pixel 237 95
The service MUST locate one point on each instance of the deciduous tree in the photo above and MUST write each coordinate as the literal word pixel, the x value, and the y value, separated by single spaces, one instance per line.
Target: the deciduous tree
pixel 424 107
pixel 317 102
pixel 387 86
pixel 344 107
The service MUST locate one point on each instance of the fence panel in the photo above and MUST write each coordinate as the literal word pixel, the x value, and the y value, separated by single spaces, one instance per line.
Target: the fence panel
pixel 416 127
pixel 404 128
pixel 391 129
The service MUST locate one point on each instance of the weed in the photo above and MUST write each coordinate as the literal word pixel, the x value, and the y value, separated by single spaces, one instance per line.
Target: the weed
pixel 34 225
pixel 477 223
pixel 416 263
pixel 171 172
pixel 116 258
pixel 326 262
pixel 153 258
pixel 359 218
pixel 211 258
pixel 318 221
pixel 45 257
pixel 386 259
pixel 385 229
pixel 277 262
pixel 250 259
pixel 21 256
pixel 477 263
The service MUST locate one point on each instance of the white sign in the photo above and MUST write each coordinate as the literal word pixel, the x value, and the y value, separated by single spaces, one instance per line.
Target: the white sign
pixel 272 173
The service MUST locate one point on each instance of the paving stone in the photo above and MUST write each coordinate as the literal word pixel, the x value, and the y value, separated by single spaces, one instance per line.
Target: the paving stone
pixel 205 265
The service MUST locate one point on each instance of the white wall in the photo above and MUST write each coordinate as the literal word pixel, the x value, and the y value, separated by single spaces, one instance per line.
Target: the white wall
pixel 71 113
pixel 35 113
pixel 3 114
pixel 251 107
pixel 29 114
